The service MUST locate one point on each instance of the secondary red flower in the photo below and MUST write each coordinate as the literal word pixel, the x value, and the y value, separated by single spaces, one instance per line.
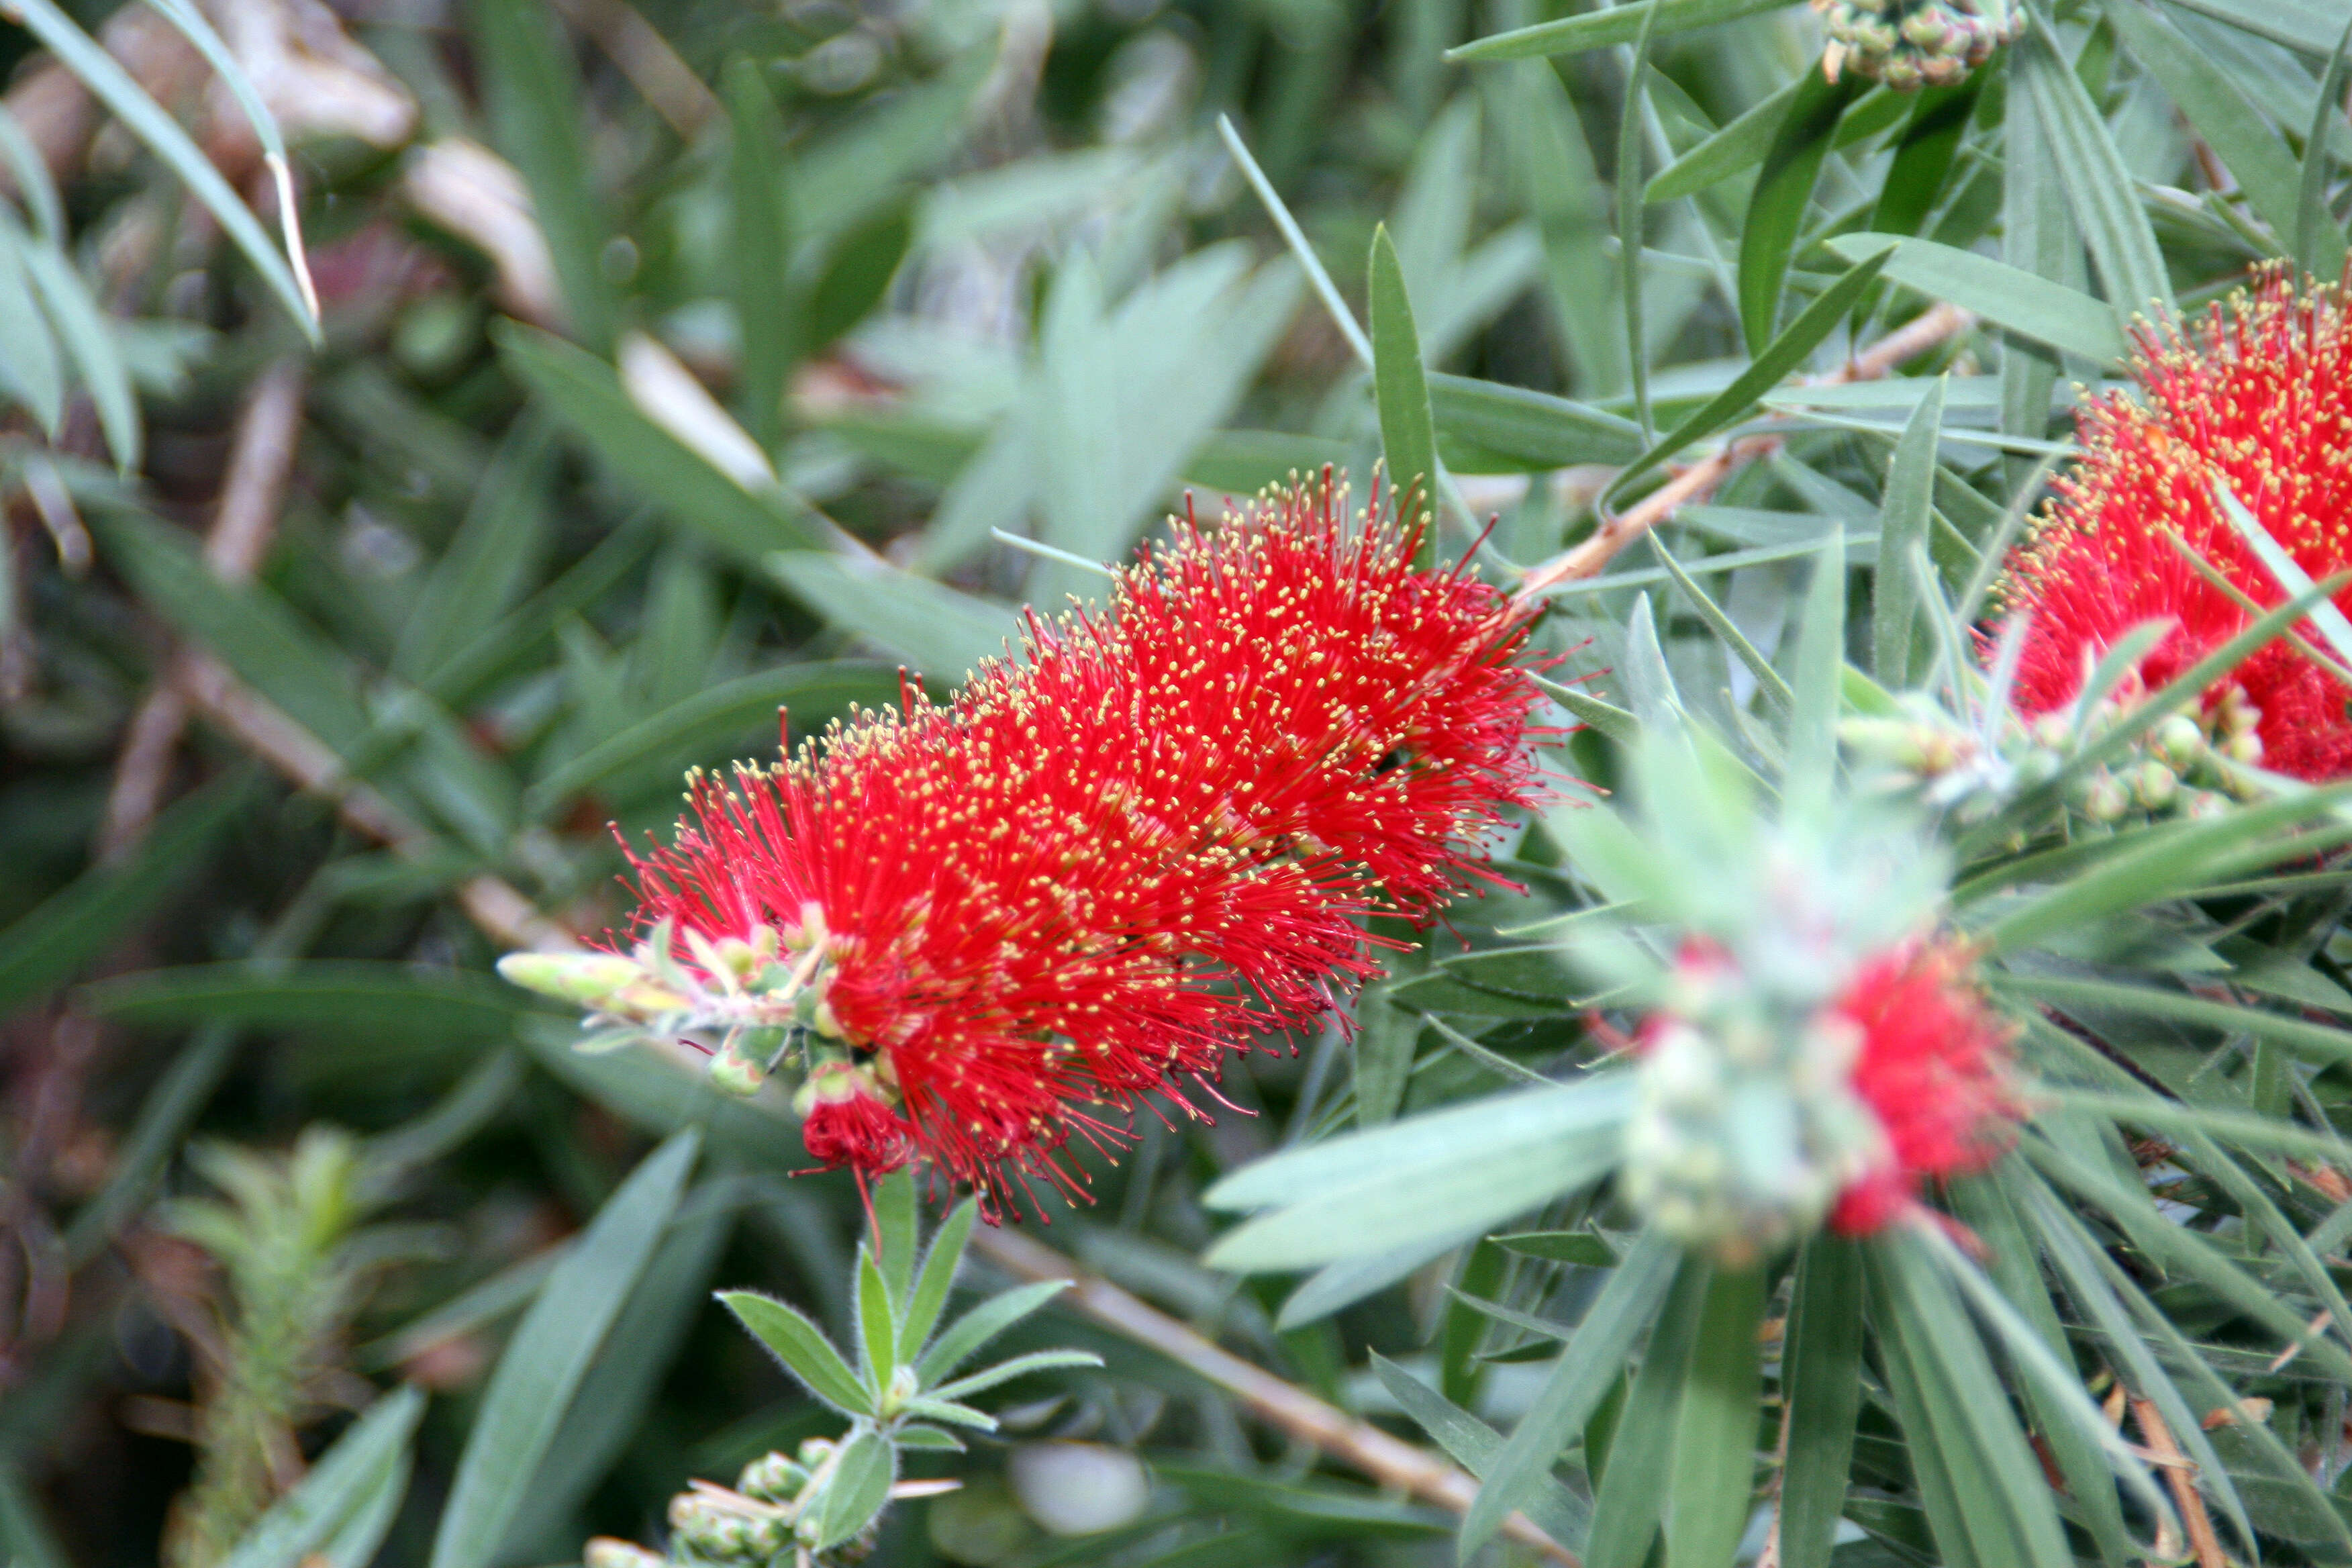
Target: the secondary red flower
pixel 2259 397
pixel 1933 1067
pixel 1104 866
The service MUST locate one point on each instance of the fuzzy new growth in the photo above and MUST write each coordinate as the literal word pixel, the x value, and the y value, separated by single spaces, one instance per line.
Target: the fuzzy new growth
pixel 1105 866
pixel 2259 398
pixel 1763 1114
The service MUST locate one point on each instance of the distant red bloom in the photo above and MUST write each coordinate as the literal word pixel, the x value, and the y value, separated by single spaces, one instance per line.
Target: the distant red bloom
pixel 2259 397
pixel 1101 869
pixel 1933 1069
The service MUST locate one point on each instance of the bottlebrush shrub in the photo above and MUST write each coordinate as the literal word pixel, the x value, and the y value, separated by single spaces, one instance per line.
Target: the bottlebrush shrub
pixel 981 930
pixel 1868 1079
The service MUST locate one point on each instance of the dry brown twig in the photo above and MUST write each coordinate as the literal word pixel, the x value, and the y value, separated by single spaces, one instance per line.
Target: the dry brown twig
pixel 261 458
pixel 1702 479
pixel 2180 1476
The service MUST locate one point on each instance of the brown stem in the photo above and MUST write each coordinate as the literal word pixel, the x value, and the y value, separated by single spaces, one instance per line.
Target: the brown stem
pixel 261 458
pixel 2180 1474
pixel 1704 478
pixel 1391 1461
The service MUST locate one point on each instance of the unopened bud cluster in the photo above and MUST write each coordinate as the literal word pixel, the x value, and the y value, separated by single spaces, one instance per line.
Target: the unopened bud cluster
pixel 768 1520
pixel 2181 766
pixel 754 1002
pixel 1912 44
pixel 1746 1126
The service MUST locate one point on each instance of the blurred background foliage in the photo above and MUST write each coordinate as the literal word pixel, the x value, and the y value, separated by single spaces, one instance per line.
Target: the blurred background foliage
pixel 680 361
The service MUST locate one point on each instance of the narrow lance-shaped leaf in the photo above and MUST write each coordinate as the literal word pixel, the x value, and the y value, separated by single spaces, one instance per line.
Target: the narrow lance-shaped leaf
pixel 2318 238
pixel 551 1353
pixel 1713 1466
pixel 1903 514
pixel 1784 193
pixel 758 249
pixel 1586 1369
pixel 802 1348
pixel 1400 387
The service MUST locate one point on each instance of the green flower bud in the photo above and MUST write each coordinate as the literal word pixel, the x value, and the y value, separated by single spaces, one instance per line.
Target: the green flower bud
pixel 2179 742
pixel 733 1073
pixel 772 1477
pixel 2154 784
pixel 584 979
pixel 604 1552
pixel 2105 800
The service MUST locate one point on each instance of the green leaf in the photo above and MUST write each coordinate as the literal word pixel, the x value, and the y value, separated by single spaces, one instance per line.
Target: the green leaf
pixel 1476 1446
pixel 1530 428
pixel 857 1489
pixel 1739 143
pixel 2310 26
pixel 2284 569
pixel 857 275
pixel 343 1483
pixel 1712 1477
pixel 1987 1205
pixel 533 86
pixel 587 392
pixel 1598 29
pixel 802 1348
pixel 1344 1283
pixel 1817 689
pixel 2211 99
pixel 1408 436
pixel 1925 155
pixel 929 1296
pixel 1822 1384
pixel 1458 1169
pixel 1724 628
pixel 98 71
pixel 1627 1511
pixel 721 712
pixel 45 946
pixel 2066 318
pixel 1784 191
pixel 551 1350
pixel 253 630
pixel 1814 324
pixel 930 1439
pixel 1902 517
pixel 29 354
pixel 2170 869
pixel 957 1343
pixel 2318 238
pixel 492 559
pixel 1578 1247
pixel 1006 1371
pixel 1634 116
pixel 1588 1367
pixel 759 250
pixel 877 1324
pixel 368 996
pixel 2097 183
pixel 1957 1407
pixel 943 633
pixel 89 339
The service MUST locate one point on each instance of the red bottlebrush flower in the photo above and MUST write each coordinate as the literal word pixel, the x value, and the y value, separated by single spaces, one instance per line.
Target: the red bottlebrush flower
pixel 1101 869
pixel 1933 1068
pixel 848 1120
pixel 2260 398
